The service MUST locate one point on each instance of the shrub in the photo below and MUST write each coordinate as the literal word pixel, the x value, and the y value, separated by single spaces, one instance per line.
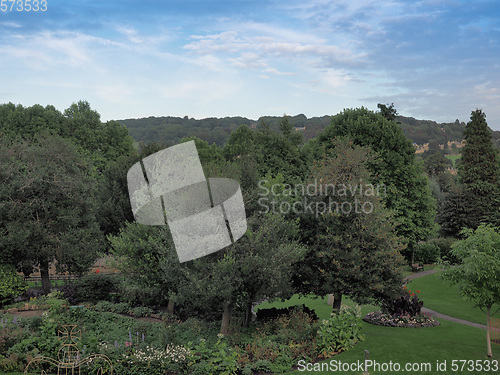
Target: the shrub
pixel 426 252
pixel 274 313
pixel 214 359
pixel 70 292
pixel 142 311
pixel 444 245
pixel 407 303
pixel 96 287
pixel 340 332
pixel 11 284
pixel 136 295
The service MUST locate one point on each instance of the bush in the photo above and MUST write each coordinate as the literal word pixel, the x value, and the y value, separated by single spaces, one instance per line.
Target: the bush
pixel 135 295
pixel 407 303
pixel 426 252
pixel 142 311
pixel 341 332
pixel 444 245
pixel 11 284
pixel 274 313
pixel 96 287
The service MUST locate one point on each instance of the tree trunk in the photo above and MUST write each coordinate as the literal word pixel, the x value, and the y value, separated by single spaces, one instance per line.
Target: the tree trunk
pixel 248 314
pixel 44 273
pixel 170 306
pixel 226 318
pixel 488 327
pixel 337 302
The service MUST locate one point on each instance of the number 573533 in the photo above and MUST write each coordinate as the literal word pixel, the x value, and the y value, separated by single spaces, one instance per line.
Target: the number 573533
pixel 23 5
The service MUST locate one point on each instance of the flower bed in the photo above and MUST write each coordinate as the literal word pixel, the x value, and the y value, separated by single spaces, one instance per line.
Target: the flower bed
pixel 401 320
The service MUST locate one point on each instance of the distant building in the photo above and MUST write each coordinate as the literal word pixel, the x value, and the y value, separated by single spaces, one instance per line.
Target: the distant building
pixel 300 129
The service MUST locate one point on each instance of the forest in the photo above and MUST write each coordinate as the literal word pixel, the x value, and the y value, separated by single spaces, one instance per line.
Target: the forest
pixel 169 130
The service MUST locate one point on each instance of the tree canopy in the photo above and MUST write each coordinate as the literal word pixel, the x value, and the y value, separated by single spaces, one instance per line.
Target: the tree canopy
pixel 478 276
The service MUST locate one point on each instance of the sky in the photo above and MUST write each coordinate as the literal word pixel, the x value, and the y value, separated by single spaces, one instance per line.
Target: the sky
pixel 435 60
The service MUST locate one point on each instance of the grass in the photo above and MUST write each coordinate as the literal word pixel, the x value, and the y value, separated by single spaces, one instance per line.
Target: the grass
pixel 439 295
pixel 447 342
pixel 453 158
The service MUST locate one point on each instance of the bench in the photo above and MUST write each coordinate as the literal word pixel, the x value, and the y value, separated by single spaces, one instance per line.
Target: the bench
pixel 415 267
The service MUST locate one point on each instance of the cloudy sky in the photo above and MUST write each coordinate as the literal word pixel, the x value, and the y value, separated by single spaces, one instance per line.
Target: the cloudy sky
pixel 433 59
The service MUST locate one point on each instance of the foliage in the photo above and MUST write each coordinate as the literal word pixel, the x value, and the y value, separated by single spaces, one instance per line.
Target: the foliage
pixel 407 303
pixel 479 171
pixel 142 311
pixel 47 207
pixel 147 256
pixel 119 308
pixel 426 252
pixel 11 284
pixel 407 191
pixel 477 276
pixel 217 359
pixel 340 332
pixel 404 320
pixel 444 244
pixel 352 250
pixel 95 287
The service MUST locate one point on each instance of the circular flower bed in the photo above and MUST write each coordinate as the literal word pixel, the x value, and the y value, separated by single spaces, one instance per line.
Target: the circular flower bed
pixel 403 320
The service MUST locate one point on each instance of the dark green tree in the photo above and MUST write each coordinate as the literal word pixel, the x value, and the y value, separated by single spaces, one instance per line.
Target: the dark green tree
pixel 479 172
pixel 408 194
pixel 388 111
pixel 353 249
pixel 47 207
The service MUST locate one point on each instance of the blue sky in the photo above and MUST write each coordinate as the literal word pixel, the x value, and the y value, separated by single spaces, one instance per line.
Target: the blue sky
pixel 433 59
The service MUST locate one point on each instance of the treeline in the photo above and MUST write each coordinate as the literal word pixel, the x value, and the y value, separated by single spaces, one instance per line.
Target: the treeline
pixel 170 130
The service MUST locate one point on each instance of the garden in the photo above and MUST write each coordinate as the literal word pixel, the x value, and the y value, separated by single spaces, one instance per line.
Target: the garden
pixel 285 334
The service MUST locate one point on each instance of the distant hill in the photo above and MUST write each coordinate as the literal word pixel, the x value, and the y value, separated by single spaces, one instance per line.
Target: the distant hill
pixel 169 130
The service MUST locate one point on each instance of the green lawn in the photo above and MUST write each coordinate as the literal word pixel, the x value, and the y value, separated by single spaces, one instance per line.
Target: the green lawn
pixel 453 158
pixel 441 296
pixel 447 342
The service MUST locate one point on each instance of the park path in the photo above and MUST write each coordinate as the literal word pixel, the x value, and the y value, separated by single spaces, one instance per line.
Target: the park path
pixel 438 314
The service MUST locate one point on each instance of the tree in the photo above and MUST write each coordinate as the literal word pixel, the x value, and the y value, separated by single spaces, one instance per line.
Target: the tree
pixel 47 207
pixel 388 111
pixel 147 255
pixel 408 194
pixel 479 172
pixel 257 266
pixel 478 276
pixel 436 164
pixel 352 246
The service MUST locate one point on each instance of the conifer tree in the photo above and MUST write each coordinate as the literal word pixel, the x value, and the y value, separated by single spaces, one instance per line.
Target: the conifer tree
pixel 479 172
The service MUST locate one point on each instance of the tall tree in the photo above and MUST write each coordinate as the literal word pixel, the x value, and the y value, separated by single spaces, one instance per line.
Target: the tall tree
pixel 478 276
pixel 352 246
pixel 47 207
pixel 408 194
pixel 479 172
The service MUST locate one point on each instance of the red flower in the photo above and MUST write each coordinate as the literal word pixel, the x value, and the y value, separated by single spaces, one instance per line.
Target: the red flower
pixel 97 271
pixel 418 291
